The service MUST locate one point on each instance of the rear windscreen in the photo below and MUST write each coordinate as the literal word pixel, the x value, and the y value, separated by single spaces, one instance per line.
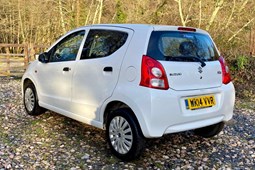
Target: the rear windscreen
pixel 173 45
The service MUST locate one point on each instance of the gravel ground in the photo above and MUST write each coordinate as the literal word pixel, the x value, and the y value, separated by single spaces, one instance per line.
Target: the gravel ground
pixel 52 141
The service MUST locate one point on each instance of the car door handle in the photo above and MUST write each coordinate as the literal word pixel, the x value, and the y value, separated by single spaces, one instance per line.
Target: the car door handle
pixel 66 69
pixel 108 69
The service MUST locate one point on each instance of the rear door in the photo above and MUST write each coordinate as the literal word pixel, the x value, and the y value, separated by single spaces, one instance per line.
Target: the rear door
pixel 97 71
pixel 183 54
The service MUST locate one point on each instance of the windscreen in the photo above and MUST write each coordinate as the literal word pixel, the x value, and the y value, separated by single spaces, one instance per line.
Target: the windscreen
pixel 181 46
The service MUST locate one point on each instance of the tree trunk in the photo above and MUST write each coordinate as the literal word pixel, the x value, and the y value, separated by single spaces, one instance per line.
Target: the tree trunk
pixel 219 4
pixel 20 22
pixel 61 16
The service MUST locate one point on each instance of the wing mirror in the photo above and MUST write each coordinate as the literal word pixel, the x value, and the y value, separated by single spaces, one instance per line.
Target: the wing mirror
pixel 44 57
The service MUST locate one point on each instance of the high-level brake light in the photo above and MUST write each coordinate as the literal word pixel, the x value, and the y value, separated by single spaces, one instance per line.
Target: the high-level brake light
pixel 186 29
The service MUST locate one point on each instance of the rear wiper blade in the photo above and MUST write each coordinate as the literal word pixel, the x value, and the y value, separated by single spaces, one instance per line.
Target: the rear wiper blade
pixel 198 59
pixel 180 58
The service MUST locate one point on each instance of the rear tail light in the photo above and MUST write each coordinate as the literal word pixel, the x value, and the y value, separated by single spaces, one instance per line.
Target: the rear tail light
pixel 225 71
pixel 153 74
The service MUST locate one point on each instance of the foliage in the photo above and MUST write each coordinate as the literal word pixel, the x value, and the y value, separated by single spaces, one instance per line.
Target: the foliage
pixel 230 23
pixel 120 14
pixel 242 69
pixel 242 61
pixel 27 21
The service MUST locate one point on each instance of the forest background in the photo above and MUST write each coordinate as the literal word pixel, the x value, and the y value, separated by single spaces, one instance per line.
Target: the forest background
pixel 231 23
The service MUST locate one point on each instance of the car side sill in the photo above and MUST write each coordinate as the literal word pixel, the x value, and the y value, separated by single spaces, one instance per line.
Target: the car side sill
pixel 72 115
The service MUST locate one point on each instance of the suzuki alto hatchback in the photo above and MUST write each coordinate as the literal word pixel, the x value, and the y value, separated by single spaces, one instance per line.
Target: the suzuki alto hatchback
pixel 135 81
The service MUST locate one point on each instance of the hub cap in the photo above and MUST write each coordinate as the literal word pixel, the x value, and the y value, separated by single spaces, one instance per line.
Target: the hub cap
pixel 29 99
pixel 120 134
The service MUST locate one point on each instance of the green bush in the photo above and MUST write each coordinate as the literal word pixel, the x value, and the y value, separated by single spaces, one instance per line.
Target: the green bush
pixel 243 69
pixel 242 61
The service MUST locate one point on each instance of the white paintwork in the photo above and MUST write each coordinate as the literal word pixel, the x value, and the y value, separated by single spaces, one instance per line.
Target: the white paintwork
pixel 85 91
pixel 54 85
pixel 192 80
pixel 93 85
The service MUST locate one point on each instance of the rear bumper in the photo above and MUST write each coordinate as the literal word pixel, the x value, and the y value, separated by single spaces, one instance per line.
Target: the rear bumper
pixel 165 111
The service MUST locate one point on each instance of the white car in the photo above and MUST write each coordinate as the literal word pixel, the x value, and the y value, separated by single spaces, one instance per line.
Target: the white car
pixel 136 81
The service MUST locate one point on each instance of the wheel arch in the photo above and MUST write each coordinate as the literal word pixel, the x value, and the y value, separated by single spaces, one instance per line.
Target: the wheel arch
pixel 113 105
pixel 37 109
pixel 27 80
pixel 24 81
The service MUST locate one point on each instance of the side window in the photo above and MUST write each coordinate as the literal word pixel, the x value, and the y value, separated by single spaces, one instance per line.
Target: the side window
pixel 67 49
pixel 102 43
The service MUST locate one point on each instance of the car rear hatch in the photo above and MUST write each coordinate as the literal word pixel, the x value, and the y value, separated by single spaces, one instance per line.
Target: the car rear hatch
pixel 189 58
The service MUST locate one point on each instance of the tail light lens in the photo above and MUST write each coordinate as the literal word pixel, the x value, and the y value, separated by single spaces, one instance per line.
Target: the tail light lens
pixel 153 74
pixel 225 71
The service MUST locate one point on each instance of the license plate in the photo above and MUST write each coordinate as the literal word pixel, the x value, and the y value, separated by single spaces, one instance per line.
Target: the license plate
pixel 199 102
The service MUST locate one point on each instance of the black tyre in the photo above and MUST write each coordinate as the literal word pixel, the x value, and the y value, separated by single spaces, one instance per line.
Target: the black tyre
pixel 30 100
pixel 124 134
pixel 210 131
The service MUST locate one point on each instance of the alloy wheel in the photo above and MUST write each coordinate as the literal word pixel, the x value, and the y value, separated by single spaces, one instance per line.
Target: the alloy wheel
pixel 29 99
pixel 120 134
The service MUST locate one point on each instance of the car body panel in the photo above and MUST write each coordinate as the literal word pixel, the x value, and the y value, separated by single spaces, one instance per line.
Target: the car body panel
pixel 50 79
pixel 191 76
pixel 85 92
pixel 92 84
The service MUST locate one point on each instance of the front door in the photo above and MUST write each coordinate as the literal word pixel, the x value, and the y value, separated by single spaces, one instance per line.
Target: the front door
pixel 55 76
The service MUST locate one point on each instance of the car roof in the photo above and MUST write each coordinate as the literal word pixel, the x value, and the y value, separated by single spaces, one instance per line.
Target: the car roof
pixel 146 27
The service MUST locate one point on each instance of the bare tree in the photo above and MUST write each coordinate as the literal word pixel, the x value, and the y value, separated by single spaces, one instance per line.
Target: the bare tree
pixel 43 21
pixel 218 6
pixel 60 6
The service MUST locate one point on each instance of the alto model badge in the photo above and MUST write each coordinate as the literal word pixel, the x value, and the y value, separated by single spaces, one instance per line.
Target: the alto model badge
pixel 175 74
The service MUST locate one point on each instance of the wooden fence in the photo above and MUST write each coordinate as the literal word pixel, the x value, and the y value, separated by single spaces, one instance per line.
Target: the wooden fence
pixel 14 58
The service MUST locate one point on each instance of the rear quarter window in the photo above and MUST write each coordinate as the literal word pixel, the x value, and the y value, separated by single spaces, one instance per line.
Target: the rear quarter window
pixel 164 45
